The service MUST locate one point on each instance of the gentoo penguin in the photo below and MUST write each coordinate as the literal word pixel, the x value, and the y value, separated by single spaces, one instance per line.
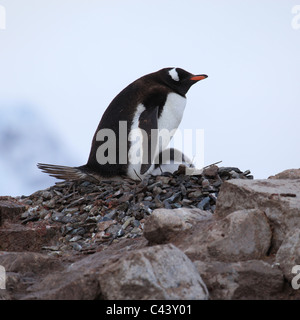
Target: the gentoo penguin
pixel 135 128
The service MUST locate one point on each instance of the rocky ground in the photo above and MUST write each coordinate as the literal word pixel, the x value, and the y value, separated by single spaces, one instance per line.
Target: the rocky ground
pixel 218 235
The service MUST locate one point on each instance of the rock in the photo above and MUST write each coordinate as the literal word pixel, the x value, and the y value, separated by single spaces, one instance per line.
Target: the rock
pixel 160 272
pixel 85 205
pixel 46 195
pixel 10 209
pixel 252 279
pixel 195 194
pixel 16 237
pixel 279 199
pixel 23 269
pixel 245 235
pixel 242 235
pixel 76 280
pixel 287 174
pixel 23 262
pixel 234 173
pixel 163 224
pixel 125 239
pixel 103 225
pixel 211 171
pixel 69 286
pixel 203 203
pixel 205 183
pixel 288 254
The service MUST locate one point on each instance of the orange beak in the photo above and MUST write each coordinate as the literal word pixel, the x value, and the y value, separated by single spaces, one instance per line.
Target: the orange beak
pixel 199 77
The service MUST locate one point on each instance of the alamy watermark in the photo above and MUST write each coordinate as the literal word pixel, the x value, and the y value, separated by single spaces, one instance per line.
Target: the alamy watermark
pixel 145 147
pixel 2 18
pixel 2 278
pixel 296 280
pixel 295 23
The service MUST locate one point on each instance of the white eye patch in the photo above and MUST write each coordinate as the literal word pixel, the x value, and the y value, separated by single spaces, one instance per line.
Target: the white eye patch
pixel 174 75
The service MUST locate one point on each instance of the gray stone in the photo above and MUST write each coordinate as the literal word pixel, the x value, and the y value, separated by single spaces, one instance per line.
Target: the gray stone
pixel 46 195
pixel 287 174
pixel 24 268
pixel 253 279
pixel 75 285
pixel 16 237
pixel 27 262
pixel 245 235
pixel 10 209
pixel 279 199
pixel 288 254
pixel 77 280
pixel 242 235
pixel 211 171
pixel 203 203
pixel 163 224
pixel 158 272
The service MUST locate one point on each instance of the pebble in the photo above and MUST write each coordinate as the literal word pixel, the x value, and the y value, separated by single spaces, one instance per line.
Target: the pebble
pixel 203 204
pixel 195 194
pixel 105 224
pixel 76 246
pixel 75 238
pixel 127 222
pixel 25 215
pixel 46 195
pixel 205 183
pixel 89 214
pixel 136 230
pixel 120 232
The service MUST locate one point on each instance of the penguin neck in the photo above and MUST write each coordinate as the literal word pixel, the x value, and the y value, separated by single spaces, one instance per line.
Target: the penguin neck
pixel 175 89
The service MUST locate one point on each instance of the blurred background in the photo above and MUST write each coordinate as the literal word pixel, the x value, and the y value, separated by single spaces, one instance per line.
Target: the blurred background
pixel 63 61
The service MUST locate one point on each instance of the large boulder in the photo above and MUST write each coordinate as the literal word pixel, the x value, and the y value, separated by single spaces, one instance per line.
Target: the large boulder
pixel 158 272
pixel 17 237
pixel 288 254
pixel 165 224
pixel 287 174
pixel 278 199
pixel 242 235
pixel 252 279
pixel 22 269
pixel 9 209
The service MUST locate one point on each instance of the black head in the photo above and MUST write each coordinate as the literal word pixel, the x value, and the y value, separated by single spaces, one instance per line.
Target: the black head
pixel 179 80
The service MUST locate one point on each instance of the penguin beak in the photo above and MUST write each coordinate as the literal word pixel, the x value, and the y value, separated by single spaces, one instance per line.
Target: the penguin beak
pixel 199 77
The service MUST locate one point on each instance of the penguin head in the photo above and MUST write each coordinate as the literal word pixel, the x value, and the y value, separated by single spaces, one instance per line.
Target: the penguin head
pixel 180 80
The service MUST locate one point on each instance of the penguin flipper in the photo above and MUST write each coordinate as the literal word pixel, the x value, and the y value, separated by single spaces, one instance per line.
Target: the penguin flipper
pixel 65 172
pixel 148 121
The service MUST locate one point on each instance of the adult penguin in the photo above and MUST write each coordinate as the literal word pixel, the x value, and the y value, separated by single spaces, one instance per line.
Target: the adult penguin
pixel 135 129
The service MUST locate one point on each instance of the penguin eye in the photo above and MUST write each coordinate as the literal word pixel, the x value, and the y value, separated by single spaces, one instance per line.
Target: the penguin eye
pixel 174 74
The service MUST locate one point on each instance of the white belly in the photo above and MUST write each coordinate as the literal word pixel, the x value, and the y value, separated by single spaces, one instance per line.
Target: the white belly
pixel 135 152
pixel 170 118
pixel 168 122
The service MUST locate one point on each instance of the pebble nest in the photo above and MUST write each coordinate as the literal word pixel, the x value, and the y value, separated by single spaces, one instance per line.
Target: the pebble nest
pixel 91 216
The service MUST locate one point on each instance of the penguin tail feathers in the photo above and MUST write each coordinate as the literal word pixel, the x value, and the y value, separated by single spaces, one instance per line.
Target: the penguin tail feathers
pixel 65 173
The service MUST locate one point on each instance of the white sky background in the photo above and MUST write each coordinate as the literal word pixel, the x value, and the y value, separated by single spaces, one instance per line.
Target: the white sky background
pixel 70 58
